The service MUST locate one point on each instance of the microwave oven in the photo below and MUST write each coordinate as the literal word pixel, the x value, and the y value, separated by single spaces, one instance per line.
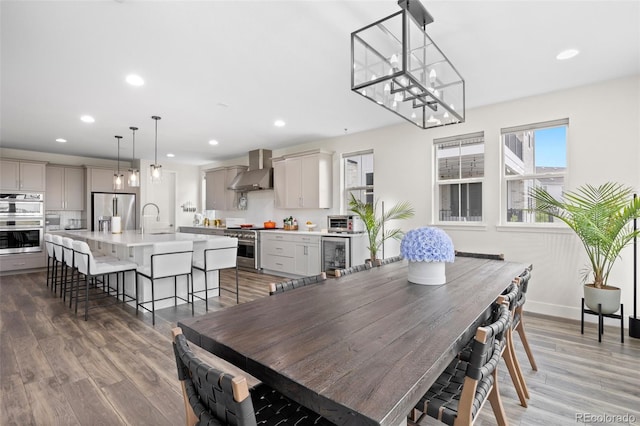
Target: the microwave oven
pixel 351 224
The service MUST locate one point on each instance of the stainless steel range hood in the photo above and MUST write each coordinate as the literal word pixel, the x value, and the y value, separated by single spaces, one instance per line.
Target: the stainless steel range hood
pixel 260 174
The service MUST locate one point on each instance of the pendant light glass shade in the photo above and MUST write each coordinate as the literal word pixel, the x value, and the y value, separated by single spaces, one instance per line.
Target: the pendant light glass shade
pixel 118 178
pixel 134 173
pixel 156 169
pixel 395 64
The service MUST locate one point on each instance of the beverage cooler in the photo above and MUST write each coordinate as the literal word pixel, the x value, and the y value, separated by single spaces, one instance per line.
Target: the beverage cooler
pixel 336 254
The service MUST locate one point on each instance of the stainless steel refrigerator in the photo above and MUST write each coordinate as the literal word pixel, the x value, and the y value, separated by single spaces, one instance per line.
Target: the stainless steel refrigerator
pixel 113 204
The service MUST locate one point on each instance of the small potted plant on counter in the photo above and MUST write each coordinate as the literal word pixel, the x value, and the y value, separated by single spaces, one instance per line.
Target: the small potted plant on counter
pixel 374 224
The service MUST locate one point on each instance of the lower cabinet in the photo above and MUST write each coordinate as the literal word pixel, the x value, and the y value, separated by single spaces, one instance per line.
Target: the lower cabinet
pixel 19 262
pixel 290 253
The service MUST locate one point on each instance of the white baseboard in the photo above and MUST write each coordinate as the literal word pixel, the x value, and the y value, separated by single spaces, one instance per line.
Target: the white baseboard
pixel 570 312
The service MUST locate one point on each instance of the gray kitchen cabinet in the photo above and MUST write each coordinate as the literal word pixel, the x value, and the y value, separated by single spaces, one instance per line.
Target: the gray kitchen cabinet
pixel 303 181
pixel 16 175
pixel 65 188
pixel 290 253
pixel 280 183
pixel 101 180
pixel 22 261
pixel 307 256
pixel 218 197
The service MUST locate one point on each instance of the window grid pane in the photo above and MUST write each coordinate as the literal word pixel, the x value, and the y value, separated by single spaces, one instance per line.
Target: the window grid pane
pixel 358 177
pixel 459 176
pixel 533 157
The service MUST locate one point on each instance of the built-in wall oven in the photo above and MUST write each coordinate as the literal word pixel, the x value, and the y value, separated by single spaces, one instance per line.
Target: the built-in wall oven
pixel 21 222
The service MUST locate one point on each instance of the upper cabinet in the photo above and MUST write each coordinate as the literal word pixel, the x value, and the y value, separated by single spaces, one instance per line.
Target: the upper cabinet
pixel 22 175
pixel 65 188
pixel 101 180
pixel 218 197
pixel 303 181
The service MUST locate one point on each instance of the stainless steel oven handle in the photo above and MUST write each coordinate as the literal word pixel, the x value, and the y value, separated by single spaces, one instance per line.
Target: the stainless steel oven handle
pixel 21 228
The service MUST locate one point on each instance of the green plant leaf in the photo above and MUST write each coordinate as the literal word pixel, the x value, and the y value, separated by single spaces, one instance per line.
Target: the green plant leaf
pixel 600 216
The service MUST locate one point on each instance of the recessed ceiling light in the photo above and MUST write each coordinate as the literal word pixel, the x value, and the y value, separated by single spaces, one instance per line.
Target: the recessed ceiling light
pixel 61 140
pixel 87 119
pixel 567 54
pixel 213 142
pixel 135 80
pixel 170 155
pixel 279 123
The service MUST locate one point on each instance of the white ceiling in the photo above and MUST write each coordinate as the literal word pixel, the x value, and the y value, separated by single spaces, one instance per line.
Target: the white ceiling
pixel 226 70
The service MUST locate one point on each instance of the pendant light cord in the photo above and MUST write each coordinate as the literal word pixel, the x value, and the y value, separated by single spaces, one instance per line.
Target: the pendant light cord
pixel 118 137
pixel 133 130
pixel 156 118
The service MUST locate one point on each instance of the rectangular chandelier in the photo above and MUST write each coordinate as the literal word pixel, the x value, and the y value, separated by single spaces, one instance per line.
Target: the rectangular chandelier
pixel 396 64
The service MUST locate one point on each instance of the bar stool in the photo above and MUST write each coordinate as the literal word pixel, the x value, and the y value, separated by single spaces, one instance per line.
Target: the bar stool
pixel 168 259
pixel 69 264
pixel 51 258
pixel 58 254
pixel 219 253
pixel 91 268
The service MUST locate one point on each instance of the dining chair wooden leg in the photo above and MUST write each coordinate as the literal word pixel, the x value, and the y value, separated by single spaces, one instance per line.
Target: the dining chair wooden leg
pixel 496 402
pixel 525 343
pixel 516 362
pixel 509 359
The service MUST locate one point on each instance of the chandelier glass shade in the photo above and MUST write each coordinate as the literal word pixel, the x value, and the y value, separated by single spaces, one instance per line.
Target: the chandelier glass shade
pixel 134 173
pixel 395 64
pixel 156 169
pixel 118 178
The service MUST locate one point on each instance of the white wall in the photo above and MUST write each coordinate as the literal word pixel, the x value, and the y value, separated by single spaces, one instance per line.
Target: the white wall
pixel 603 145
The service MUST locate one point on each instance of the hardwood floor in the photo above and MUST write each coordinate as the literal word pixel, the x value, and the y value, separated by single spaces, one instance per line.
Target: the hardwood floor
pixel 116 368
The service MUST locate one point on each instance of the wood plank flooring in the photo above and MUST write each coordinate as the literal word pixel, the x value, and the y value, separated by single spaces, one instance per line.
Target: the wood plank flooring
pixel 117 369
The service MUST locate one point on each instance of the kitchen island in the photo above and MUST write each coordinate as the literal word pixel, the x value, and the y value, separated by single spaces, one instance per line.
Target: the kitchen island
pixel 136 247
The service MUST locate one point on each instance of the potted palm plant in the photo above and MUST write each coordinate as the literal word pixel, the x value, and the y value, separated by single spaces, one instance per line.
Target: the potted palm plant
pixel 600 216
pixel 374 224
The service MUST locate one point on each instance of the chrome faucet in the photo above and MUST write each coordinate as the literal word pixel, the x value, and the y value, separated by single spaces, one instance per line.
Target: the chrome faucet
pixel 142 214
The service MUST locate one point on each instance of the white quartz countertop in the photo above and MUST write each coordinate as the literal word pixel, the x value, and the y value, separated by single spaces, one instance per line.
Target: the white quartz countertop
pixel 322 233
pixel 135 238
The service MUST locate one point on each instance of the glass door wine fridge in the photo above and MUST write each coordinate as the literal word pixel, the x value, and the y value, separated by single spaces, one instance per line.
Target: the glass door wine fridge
pixel 336 254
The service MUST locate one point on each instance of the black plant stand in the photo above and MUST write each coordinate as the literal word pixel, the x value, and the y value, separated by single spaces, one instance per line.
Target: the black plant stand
pixel 601 320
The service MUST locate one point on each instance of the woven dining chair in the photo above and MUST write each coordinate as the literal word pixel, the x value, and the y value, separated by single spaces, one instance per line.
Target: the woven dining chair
pixel 283 286
pixel 459 393
pixel 509 354
pixel 353 269
pixel 490 256
pixel 518 315
pixel 216 397
pixel 390 260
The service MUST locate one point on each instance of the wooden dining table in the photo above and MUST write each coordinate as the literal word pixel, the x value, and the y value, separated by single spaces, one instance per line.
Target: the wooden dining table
pixel 361 349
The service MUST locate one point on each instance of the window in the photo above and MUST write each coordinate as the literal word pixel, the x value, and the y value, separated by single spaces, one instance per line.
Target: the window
pixel 358 176
pixel 459 165
pixel 533 155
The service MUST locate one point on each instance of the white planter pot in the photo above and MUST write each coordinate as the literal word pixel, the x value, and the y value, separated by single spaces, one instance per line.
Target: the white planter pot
pixel 608 297
pixel 427 273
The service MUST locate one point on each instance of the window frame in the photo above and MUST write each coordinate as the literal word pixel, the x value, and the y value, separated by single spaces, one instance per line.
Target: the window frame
pixel 346 190
pixel 438 183
pixel 504 178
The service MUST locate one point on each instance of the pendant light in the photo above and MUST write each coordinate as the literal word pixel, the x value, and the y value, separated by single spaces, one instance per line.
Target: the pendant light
pixel 134 173
pixel 118 179
pixel 156 169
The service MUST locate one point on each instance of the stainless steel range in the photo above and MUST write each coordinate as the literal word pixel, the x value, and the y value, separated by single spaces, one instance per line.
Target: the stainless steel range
pixel 248 247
